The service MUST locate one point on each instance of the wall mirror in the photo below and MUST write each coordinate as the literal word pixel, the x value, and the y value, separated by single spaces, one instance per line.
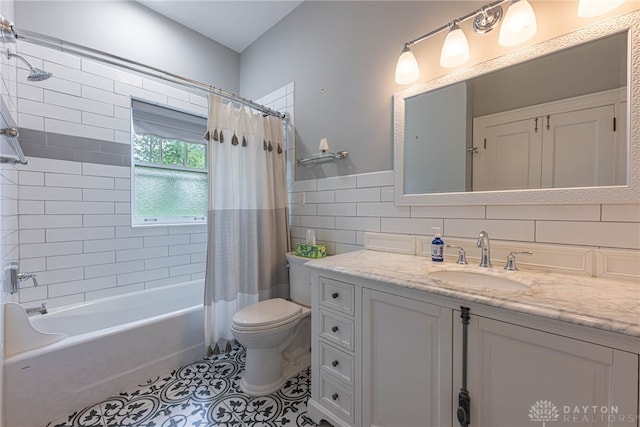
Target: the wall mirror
pixel 553 123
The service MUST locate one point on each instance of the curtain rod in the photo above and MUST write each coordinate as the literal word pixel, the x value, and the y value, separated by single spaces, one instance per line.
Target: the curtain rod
pixel 98 55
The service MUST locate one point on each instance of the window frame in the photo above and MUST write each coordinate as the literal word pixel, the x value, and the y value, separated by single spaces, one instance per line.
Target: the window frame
pixel 163 221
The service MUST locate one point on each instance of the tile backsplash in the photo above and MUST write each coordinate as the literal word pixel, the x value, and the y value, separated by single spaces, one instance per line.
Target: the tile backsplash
pixel 342 209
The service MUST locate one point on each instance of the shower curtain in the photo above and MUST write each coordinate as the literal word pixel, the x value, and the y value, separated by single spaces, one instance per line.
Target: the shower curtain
pixel 248 231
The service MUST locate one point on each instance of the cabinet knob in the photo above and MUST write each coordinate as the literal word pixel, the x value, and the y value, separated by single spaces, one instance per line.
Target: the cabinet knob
pixel 335 396
pixel 335 295
pixel 335 363
pixel 334 329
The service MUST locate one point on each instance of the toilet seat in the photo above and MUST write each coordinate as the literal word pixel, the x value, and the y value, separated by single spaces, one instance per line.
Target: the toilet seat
pixel 267 314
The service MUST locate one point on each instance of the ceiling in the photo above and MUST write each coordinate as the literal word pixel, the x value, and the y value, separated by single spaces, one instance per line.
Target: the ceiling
pixel 233 23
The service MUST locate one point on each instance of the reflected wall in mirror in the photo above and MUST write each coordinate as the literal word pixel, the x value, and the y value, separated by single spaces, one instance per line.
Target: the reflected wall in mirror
pixel 544 123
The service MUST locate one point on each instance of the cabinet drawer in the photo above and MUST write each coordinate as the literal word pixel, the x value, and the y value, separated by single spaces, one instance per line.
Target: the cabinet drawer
pixel 337 295
pixel 336 363
pixel 338 399
pixel 337 329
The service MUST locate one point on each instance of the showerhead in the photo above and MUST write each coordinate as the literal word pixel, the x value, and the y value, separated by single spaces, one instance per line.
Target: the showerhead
pixel 38 75
pixel 35 74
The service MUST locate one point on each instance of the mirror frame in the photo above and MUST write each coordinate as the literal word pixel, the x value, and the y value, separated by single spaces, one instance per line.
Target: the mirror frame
pixel 629 22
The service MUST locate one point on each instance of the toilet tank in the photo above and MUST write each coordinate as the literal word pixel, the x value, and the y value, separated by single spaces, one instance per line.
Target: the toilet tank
pixel 299 280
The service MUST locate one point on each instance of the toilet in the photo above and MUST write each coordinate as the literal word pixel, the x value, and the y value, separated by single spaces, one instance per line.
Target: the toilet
pixel 276 334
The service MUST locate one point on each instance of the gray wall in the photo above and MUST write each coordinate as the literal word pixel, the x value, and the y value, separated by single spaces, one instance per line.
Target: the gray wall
pixel 342 56
pixel 132 31
pixel 349 49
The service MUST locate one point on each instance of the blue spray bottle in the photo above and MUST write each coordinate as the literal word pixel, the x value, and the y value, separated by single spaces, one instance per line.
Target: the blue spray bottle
pixel 437 246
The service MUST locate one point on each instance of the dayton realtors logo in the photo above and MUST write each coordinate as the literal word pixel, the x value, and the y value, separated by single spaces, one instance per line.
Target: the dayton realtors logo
pixel 543 410
pixel 546 411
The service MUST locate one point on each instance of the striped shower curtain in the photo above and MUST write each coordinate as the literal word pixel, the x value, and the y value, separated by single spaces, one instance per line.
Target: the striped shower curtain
pixel 248 231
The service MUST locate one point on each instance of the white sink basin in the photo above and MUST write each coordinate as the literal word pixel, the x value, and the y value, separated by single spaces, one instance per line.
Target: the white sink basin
pixel 478 280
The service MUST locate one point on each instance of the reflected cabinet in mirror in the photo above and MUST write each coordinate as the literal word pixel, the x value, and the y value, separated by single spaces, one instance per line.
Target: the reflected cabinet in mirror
pixel 554 123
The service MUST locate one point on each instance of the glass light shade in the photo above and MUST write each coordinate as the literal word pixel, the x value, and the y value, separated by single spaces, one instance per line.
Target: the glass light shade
pixel 407 70
pixel 455 50
pixel 590 8
pixel 519 24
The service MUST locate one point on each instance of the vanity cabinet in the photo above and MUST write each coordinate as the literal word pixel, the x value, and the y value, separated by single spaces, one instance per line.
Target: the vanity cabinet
pixel 378 358
pixel 518 375
pixel 335 351
pixel 406 361
pixel 384 355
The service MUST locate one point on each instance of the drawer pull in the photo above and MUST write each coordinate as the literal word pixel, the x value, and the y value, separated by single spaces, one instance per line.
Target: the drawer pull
pixel 335 363
pixel 335 295
pixel 335 396
pixel 334 329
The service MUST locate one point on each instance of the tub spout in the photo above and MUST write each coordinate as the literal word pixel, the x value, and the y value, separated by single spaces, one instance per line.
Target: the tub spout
pixel 42 309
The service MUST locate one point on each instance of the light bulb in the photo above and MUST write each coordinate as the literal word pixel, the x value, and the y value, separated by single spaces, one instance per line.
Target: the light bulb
pixel 455 50
pixel 519 24
pixel 324 145
pixel 591 8
pixel 407 70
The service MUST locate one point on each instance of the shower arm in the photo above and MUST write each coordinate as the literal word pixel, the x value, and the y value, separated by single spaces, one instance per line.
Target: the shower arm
pixel 15 55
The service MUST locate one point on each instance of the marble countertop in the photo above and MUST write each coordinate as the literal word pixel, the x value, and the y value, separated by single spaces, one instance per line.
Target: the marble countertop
pixel 609 305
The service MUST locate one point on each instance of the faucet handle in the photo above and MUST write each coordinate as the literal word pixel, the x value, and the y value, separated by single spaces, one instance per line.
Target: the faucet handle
pixel 25 276
pixel 511 260
pixel 462 256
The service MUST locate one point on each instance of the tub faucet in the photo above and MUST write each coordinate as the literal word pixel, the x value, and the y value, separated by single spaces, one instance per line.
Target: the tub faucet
pixel 25 276
pixel 15 276
pixel 483 243
pixel 42 309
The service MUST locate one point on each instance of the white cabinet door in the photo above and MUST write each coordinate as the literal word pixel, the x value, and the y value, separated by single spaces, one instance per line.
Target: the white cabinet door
pixel 524 377
pixel 406 362
pixel 508 155
pixel 579 148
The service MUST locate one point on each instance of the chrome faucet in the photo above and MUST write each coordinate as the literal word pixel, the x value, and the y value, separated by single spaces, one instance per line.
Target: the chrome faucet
pixel 483 242
pixel 25 276
pixel 462 257
pixel 15 276
pixel 42 309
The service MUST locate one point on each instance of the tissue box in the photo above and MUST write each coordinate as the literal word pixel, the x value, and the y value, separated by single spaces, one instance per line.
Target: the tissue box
pixel 311 251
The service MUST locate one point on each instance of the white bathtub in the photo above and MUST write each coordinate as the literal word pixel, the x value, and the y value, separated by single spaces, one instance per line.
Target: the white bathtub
pixel 79 355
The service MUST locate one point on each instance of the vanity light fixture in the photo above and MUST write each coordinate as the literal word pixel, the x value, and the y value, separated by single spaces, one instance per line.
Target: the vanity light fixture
pixel 407 70
pixel 455 50
pixel 591 8
pixel 519 24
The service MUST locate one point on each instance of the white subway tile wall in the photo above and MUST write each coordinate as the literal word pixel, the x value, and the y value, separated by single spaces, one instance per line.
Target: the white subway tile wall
pixel 9 174
pixel 74 217
pixel 82 248
pixel 9 232
pixel 341 209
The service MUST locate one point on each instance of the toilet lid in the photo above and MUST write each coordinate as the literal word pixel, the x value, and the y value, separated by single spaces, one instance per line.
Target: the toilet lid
pixel 266 312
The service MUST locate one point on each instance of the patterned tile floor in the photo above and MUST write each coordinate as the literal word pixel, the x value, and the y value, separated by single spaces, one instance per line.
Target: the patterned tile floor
pixel 203 394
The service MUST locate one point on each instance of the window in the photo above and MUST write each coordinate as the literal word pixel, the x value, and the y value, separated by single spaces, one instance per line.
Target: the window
pixel 169 166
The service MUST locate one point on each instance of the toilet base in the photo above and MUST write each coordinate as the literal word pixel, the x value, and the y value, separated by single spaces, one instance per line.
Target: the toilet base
pixel 292 369
pixel 269 378
pixel 261 390
pixel 267 369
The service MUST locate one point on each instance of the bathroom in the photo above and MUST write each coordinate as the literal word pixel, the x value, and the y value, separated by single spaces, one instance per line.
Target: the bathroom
pixel 330 65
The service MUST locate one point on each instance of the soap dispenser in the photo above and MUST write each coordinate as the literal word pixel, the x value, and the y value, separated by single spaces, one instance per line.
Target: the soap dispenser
pixel 437 246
